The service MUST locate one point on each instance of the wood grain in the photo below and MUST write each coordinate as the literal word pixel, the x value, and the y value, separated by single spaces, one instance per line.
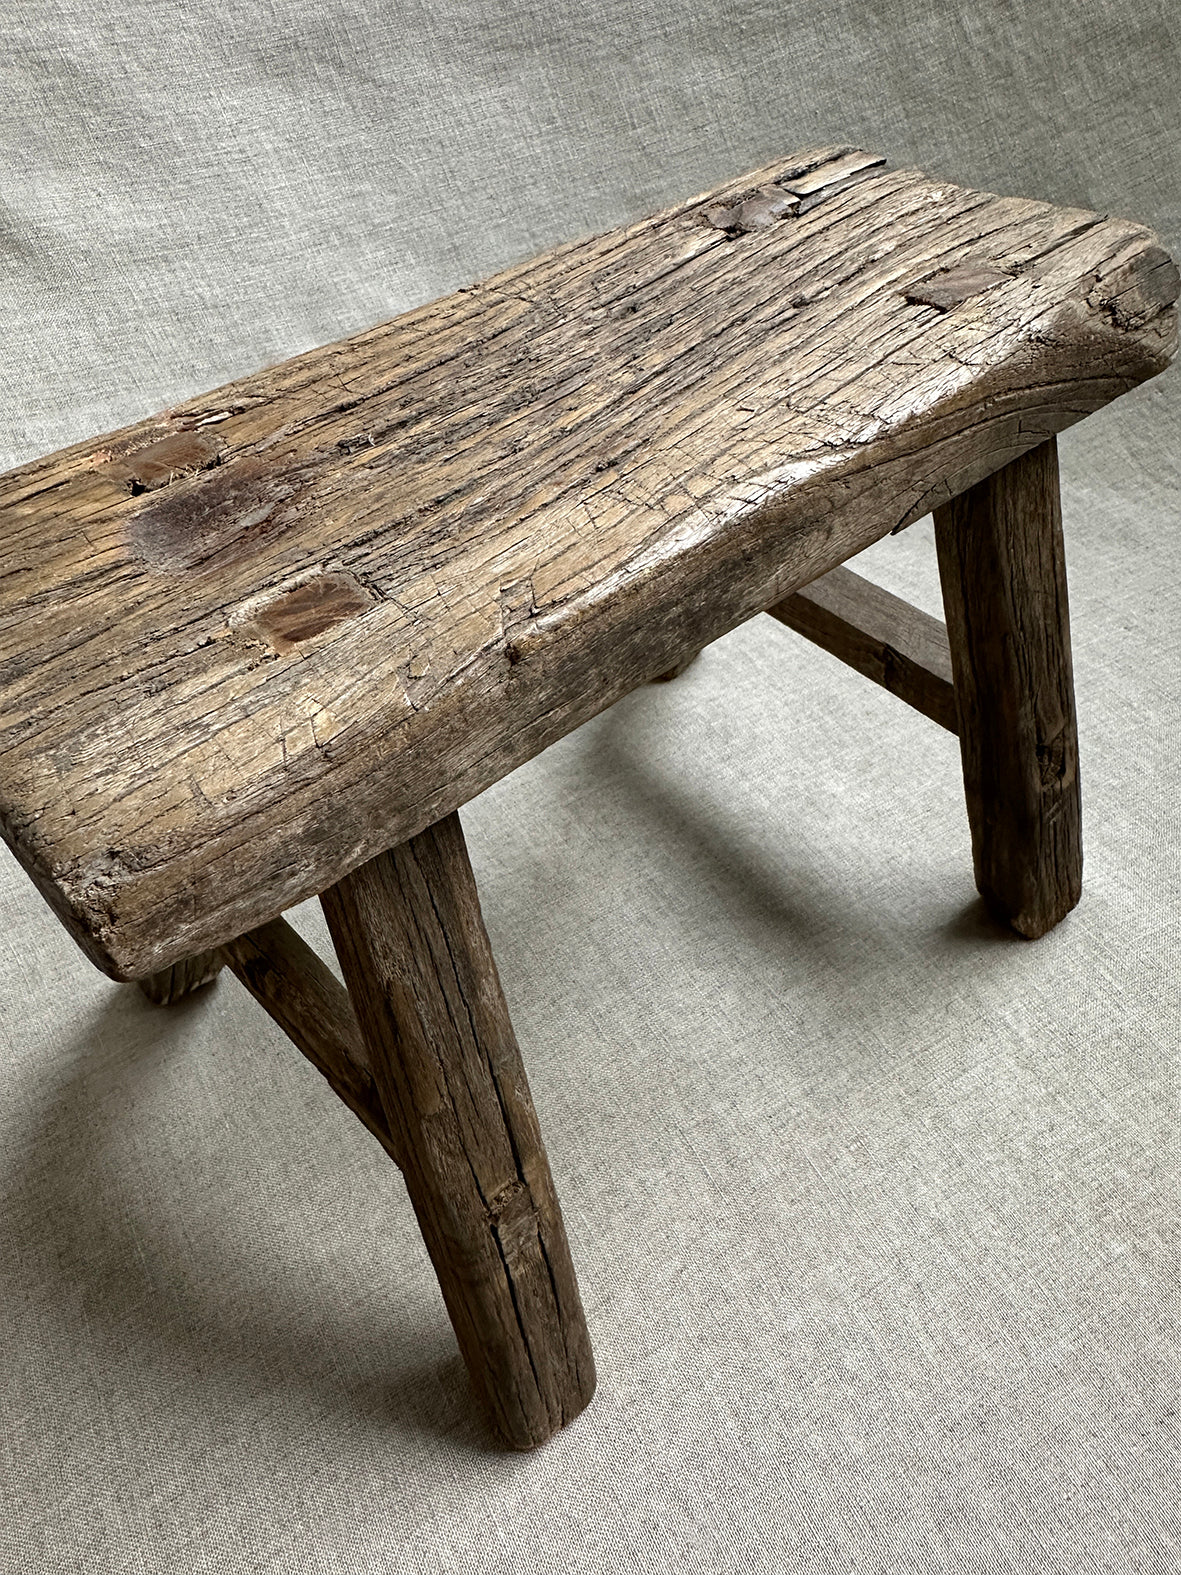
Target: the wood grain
pixel 520 502
pixel 313 1009
pixel 883 637
pixel 1003 569
pixel 412 945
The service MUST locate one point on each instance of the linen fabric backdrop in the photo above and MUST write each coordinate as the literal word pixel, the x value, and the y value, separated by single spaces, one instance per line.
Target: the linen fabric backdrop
pixel 874 1208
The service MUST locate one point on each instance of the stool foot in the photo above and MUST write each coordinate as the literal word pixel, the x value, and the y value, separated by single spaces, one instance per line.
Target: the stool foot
pixel 674 672
pixel 1003 570
pixel 173 984
pixel 415 955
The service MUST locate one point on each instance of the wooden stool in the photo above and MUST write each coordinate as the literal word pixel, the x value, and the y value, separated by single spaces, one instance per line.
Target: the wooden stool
pixel 263 646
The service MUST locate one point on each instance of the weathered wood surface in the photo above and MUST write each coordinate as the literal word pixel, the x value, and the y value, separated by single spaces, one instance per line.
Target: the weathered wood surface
pixel 313 1009
pixel 1003 570
pixel 412 945
pixel 249 643
pixel 182 978
pixel 899 646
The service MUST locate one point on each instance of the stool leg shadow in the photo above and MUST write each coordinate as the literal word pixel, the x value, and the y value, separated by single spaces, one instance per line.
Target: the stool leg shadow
pixel 1003 572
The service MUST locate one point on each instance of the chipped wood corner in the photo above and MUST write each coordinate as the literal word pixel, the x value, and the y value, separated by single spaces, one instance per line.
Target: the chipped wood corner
pixel 1138 290
pixel 795 190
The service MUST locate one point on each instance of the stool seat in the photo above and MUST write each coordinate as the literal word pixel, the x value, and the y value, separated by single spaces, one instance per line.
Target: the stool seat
pixel 251 643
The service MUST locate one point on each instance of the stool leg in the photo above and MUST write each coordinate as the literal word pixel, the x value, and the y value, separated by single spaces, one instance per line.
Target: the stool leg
pixel 415 955
pixel 675 672
pixel 1003 571
pixel 173 984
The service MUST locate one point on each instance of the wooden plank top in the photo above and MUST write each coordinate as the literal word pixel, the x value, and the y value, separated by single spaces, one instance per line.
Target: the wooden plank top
pixel 253 641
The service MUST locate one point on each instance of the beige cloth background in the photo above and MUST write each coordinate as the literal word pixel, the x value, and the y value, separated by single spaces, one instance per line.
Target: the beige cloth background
pixel 875 1209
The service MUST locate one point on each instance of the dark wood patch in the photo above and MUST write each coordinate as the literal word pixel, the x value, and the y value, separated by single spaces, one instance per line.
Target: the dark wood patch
pixel 950 286
pixel 351 445
pixel 160 463
pixel 308 610
pixel 224 518
pixel 759 212
pixel 794 192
